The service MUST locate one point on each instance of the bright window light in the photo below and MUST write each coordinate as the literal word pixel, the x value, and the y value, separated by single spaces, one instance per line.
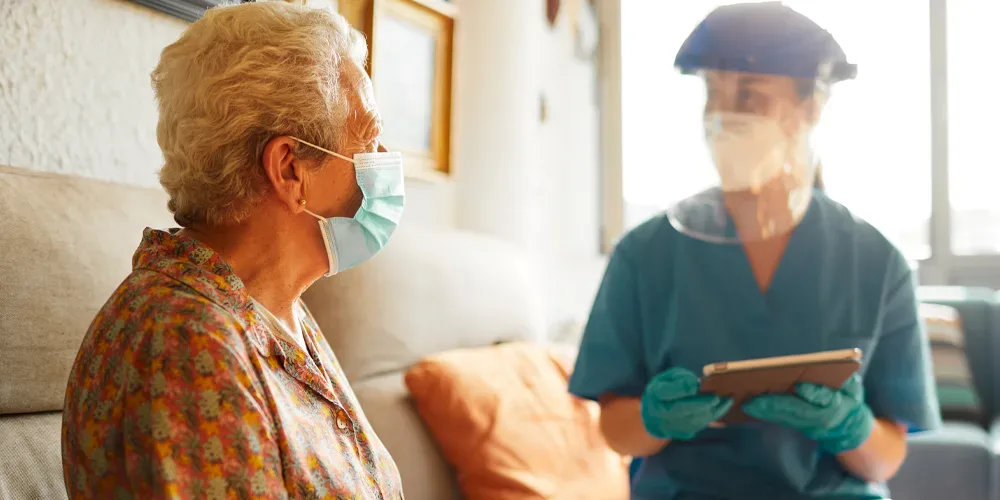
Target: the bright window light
pixel 973 103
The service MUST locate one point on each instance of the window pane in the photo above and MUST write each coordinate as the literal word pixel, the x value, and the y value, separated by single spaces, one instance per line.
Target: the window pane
pixel 973 98
pixel 876 130
pixel 661 109
pixel 876 149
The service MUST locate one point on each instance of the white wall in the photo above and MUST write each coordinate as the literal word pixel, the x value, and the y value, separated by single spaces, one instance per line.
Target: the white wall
pixel 518 177
pixel 570 173
pixel 75 98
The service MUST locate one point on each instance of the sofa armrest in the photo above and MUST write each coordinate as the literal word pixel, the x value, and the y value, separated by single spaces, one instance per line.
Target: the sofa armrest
pixel 955 461
pixel 980 313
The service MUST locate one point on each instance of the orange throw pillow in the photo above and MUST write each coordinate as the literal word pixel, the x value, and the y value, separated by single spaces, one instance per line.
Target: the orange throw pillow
pixel 504 419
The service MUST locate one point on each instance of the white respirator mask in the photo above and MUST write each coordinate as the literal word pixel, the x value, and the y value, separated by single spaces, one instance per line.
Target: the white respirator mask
pixel 748 150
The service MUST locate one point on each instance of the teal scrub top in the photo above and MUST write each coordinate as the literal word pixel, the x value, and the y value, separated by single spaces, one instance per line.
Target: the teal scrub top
pixel 669 300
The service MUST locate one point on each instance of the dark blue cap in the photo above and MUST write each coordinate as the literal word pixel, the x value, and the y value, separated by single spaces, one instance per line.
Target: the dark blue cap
pixel 767 38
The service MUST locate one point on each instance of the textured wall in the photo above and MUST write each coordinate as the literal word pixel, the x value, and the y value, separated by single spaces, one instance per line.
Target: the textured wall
pixel 74 87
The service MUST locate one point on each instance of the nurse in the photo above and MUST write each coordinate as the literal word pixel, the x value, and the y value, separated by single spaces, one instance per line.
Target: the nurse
pixel 759 264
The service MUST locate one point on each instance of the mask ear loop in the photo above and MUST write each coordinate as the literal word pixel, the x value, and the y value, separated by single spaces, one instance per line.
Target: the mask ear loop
pixel 327 151
pixel 302 203
pixel 330 256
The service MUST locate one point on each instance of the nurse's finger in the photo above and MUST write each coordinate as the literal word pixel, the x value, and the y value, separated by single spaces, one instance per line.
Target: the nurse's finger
pixel 721 408
pixel 675 383
pixel 854 387
pixel 819 395
pixel 703 408
pixel 780 408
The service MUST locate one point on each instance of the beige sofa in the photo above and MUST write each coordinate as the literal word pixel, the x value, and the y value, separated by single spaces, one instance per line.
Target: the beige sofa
pixel 66 243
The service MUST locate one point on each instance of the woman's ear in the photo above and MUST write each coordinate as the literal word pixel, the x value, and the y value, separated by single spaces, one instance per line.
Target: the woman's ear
pixel 284 171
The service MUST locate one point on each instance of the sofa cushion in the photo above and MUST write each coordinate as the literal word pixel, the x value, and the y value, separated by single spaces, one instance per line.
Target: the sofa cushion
pixel 980 313
pixel 66 243
pixel 30 460
pixel 956 389
pixel 505 420
pixel 387 406
pixel 428 291
pixel 952 462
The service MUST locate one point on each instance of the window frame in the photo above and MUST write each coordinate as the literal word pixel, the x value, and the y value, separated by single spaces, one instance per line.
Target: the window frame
pixel 609 71
pixel 943 267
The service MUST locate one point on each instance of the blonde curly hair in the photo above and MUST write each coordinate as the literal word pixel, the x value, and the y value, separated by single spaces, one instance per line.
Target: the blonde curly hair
pixel 237 78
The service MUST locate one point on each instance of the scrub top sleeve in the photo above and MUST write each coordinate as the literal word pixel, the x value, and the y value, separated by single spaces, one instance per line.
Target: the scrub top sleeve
pixel 610 357
pixel 899 383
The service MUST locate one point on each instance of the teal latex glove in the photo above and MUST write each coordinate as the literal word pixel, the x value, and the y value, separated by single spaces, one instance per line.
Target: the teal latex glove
pixel 672 408
pixel 838 419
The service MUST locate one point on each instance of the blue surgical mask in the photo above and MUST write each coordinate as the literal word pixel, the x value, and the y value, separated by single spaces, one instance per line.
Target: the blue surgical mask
pixel 351 241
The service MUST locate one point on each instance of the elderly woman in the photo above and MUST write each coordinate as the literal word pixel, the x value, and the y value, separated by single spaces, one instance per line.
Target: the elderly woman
pixel 204 376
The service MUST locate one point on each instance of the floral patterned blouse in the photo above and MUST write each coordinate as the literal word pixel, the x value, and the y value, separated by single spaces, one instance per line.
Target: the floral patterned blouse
pixel 180 390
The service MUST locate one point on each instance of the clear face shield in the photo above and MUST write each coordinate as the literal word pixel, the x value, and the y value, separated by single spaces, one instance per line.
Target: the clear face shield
pixel 759 131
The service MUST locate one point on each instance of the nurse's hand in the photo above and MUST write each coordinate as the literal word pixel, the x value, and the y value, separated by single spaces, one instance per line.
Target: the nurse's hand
pixel 838 420
pixel 672 407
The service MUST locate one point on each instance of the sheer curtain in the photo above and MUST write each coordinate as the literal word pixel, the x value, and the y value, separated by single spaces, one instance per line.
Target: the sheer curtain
pixel 875 144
